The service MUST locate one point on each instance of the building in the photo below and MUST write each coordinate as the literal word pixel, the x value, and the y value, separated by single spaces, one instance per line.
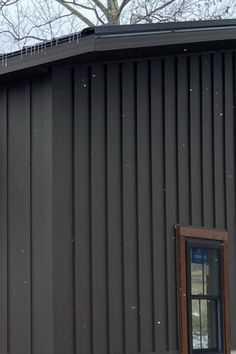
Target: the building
pixel 117 192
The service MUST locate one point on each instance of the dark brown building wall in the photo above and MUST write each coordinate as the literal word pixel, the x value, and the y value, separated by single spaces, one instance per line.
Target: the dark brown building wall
pixel 98 164
pixel 26 219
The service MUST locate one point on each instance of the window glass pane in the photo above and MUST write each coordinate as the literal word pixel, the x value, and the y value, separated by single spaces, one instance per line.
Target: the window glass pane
pixel 197 279
pixel 204 271
pixel 208 324
pixel 196 324
pixel 211 271
pixel 204 324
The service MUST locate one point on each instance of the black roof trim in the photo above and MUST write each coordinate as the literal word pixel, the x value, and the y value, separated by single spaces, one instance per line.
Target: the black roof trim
pixel 102 41
pixel 161 27
pixel 125 30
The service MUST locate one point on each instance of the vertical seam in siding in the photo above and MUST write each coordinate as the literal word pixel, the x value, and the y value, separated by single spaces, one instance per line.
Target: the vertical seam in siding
pixel 201 110
pixel 234 100
pixel 189 142
pixel 137 206
pixel 201 135
pixel 234 142
pixel 213 138
pixel 224 149
pixel 73 201
pixel 106 213
pixel 7 233
pixel 204 221
pixel 164 197
pixel 122 208
pixel 122 211
pixel 151 206
pixel 90 210
pixel 30 221
pixel 177 193
pixel 177 144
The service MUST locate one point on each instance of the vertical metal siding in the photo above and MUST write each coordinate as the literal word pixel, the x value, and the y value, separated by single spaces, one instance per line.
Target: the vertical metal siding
pixel 183 139
pixel 170 192
pixel 158 204
pixel 4 225
pixel 145 271
pixel 99 237
pixel 171 168
pixel 82 155
pixel 218 131
pixel 207 142
pixel 41 214
pixel 26 255
pixel 19 222
pixel 195 139
pixel 230 161
pixel 129 209
pixel 62 212
pixel 103 160
pixel 114 210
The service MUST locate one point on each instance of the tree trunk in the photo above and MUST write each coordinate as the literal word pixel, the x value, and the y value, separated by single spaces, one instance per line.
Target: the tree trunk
pixel 113 17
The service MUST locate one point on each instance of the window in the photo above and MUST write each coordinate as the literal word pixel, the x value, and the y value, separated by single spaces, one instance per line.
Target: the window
pixel 203 291
pixel 204 299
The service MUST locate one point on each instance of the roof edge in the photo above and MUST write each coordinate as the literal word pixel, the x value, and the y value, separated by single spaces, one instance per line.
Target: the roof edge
pixel 107 30
pixel 104 40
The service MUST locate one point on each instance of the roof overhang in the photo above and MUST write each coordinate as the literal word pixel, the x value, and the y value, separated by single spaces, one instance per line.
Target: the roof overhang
pixel 122 42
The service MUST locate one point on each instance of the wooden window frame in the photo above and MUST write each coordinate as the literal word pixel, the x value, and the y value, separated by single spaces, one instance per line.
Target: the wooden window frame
pixel 184 233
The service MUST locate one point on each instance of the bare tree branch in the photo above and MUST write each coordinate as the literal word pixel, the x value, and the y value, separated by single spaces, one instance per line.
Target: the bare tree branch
pixel 76 13
pixel 123 5
pixel 100 5
pixel 24 21
pixel 7 3
pixel 27 36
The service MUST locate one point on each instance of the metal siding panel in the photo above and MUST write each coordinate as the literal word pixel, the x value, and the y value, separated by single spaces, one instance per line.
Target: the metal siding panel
pixel 4 226
pixel 183 140
pixel 195 141
pixel 42 295
pixel 63 290
pixel 171 197
pixel 207 141
pixel 114 209
pixel 19 249
pixel 144 212
pixel 218 131
pixel 158 205
pixel 99 211
pixel 229 124
pixel 129 210
pixel 142 149
pixel 83 290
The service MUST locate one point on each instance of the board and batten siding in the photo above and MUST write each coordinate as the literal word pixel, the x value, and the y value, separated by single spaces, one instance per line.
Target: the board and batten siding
pixel 26 294
pixel 98 164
